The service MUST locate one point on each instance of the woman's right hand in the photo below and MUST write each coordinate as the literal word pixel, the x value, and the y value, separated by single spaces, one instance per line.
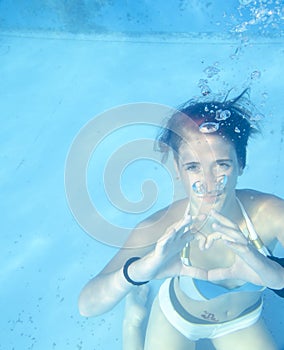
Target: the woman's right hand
pixel 165 260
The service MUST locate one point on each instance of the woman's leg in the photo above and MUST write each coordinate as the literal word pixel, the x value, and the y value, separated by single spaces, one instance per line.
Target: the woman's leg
pixel 161 335
pixel 253 337
pixel 135 317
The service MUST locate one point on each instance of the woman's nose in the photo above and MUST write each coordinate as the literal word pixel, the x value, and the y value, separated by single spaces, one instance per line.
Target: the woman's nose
pixel 210 181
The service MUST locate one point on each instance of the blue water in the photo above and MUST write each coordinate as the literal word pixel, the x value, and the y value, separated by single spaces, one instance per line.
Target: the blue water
pixel 54 79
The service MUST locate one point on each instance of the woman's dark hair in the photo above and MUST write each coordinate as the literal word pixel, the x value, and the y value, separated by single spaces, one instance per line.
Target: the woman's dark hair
pixel 233 119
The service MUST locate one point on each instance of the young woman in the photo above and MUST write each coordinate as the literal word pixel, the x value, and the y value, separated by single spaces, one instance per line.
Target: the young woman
pixel 212 249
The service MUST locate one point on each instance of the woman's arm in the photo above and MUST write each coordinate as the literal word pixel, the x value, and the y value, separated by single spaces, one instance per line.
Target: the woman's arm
pixel 157 260
pixel 102 293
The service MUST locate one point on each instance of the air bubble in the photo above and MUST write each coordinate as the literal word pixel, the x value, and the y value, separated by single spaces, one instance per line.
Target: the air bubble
pixel 211 71
pixel 222 115
pixel 255 75
pixel 245 2
pixel 209 127
pixel 205 90
pixel 257 117
pixel 199 188
pixel 237 130
pixel 241 27
pixel 202 82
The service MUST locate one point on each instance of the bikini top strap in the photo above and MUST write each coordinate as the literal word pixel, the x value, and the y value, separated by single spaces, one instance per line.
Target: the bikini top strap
pixel 253 236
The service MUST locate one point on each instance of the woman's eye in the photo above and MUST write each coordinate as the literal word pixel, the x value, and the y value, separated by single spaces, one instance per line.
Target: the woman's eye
pixel 192 168
pixel 224 166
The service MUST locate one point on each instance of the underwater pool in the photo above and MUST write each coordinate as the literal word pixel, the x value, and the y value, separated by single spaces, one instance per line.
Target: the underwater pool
pixel 63 65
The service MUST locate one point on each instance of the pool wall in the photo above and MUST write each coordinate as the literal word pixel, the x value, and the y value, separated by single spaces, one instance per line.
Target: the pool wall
pixel 52 84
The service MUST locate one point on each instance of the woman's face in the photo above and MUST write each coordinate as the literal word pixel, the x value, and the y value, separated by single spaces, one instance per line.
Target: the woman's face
pixel 210 163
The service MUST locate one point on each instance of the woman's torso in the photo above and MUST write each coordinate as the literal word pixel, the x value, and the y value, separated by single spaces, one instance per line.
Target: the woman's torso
pixel 231 303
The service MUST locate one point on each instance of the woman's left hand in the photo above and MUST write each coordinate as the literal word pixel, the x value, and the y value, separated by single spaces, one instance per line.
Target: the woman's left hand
pixel 249 265
pixel 229 232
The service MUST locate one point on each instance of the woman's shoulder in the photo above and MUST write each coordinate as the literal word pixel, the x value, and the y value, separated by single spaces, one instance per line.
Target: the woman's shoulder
pixel 266 210
pixel 253 199
pixel 261 204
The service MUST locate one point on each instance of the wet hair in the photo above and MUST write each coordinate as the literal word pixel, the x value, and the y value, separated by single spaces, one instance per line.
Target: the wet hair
pixel 234 120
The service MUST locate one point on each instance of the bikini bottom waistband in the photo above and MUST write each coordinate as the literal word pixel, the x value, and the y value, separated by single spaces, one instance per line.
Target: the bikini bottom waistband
pixel 194 328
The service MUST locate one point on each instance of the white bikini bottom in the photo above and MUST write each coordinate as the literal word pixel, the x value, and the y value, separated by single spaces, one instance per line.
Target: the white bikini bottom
pixel 195 331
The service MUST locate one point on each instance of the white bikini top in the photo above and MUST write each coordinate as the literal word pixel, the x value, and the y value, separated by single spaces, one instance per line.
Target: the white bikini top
pixel 253 236
pixel 189 285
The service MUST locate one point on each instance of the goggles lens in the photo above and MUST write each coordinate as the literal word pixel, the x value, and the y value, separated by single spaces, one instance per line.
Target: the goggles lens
pixel 201 188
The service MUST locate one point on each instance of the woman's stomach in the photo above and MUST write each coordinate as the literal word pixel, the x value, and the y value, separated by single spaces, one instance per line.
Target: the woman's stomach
pixel 222 308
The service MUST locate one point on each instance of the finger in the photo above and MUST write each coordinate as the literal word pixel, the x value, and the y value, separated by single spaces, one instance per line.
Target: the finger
pixel 201 240
pixel 185 225
pixel 177 226
pixel 182 223
pixel 239 248
pixel 226 235
pixel 186 221
pixel 197 222
pixel 165 240
pixel 214 237
pixel 170 232
pixel 187 237
pixel 232 234
pixel 174 232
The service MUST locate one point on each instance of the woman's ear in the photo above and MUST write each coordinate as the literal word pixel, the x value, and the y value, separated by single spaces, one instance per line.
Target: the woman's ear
pixel 241 170
pixel 176 166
